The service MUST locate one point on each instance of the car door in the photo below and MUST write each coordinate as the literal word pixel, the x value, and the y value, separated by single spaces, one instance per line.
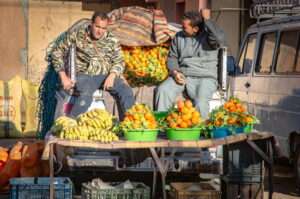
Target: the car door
pixel 259 89
pixel 244 62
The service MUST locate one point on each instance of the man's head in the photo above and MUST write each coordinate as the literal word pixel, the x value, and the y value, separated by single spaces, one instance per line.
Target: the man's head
pixel 99 24
pixel 191 22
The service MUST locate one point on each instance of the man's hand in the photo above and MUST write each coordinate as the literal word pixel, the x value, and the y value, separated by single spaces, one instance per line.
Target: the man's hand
pixel 109 82
pixel 205 14
pixel 67 83
pixel 179 77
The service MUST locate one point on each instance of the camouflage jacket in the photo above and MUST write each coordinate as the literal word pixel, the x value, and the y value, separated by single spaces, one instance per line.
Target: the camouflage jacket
pixel 87 60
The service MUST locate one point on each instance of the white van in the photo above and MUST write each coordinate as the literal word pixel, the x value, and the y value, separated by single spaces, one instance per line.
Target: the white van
pixel 267 79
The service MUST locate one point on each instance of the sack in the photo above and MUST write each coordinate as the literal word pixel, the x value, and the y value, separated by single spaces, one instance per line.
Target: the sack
pixel 10 108
pixel 31 95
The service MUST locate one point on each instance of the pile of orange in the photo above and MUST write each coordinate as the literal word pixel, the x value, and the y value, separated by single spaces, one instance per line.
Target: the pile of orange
pixel 145 65
pixel 232 114
pixel 139 117
pixel 185 116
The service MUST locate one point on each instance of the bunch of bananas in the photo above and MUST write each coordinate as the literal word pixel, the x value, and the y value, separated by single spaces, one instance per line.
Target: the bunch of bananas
pixel 103 135
pixel 61 123
pixel 95 125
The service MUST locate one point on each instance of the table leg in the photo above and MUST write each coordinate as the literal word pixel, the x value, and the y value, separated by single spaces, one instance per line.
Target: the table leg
pixel 154 183
pixel 51 172
pixel 161 170
pixel 270 147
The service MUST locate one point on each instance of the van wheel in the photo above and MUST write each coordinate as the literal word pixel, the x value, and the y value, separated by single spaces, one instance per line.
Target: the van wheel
pixel 297 166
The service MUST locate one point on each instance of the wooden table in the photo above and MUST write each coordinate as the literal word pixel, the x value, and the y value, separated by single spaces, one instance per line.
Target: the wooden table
pixel 160 162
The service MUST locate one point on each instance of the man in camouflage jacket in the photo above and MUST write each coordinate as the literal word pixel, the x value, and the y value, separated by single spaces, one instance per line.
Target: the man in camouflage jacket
pixel 99 62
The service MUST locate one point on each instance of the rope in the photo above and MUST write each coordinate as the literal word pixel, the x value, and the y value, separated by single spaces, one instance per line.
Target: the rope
pixel 50 84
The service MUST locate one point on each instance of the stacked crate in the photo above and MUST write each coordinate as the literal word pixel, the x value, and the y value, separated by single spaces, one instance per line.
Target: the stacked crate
pixel 243 172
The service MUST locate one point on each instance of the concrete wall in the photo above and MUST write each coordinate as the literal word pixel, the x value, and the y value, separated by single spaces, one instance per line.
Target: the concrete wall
pixel 229 20
pixel 13 38
pixel 47 20
pixel 29 26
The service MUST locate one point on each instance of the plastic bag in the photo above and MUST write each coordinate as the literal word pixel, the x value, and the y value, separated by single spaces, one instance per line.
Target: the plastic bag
pixel 31 95
pixel 10 108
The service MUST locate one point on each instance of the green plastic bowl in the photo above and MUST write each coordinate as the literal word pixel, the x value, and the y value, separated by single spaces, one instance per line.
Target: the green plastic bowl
pixel 183 133
pixel 141 134
pixel 248 128
pixel 159 114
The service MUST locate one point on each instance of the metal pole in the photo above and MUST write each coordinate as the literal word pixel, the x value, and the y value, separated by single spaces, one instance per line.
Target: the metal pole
pixel 51 172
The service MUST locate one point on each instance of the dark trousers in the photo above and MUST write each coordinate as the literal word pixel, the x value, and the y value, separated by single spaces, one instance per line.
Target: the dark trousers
pixel 86 86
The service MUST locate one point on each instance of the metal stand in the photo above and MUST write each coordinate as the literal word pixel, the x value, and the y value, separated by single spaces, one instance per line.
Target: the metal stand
pixel 268 158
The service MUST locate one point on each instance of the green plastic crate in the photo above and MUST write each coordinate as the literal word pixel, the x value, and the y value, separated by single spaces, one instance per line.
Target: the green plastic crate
pixel 39 188
pixel 140 191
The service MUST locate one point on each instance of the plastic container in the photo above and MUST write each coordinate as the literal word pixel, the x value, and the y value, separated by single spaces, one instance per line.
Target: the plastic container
pixel 159 114
pixel 183 133
pixel 221 132
pixel 140 191
pixel 141 134
pixel 248 128
pixel 179 191
pixel 39 188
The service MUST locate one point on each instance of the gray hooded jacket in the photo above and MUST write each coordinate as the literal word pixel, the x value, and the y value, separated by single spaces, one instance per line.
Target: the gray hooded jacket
pixel 197 56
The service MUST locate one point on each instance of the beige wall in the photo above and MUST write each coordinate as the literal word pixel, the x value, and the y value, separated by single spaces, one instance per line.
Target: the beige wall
pixel 13 56
pixel 47 20
pixel 230 21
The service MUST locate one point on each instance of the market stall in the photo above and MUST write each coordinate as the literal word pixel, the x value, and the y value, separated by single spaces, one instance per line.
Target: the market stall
pixel 249 138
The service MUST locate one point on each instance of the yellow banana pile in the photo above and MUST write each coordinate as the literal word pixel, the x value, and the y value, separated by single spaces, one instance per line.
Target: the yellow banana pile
pixel 95 125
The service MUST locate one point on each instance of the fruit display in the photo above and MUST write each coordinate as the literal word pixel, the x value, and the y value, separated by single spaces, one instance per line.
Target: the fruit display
pixel 184 116
pixel 232 114
pixel 95 125
pixel 145 65
pixel 139 117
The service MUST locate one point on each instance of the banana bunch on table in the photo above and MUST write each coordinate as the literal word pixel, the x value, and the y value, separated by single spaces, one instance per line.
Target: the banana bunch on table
pixel 95 125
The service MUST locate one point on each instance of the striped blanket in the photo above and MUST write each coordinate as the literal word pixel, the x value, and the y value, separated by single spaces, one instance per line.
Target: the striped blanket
pixel 137 26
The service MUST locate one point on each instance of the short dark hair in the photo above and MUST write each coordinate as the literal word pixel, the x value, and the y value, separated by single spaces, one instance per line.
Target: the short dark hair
pixel 100 14
pixel 194 16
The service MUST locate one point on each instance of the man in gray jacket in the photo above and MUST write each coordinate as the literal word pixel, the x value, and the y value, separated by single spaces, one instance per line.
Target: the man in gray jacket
pixel 192 62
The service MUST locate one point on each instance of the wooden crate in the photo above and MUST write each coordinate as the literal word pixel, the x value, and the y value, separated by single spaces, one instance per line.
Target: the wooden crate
pixel 179 191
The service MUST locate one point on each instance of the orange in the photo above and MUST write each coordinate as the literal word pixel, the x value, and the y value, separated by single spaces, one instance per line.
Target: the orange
pixel 180 104
pixel 195 120
pixel 174 115
pixel 135 125
pixel 148 115
pixel 168 118
pixel 139 107
pixel 173 125
pixel 188 104
pixel 136 116
pixel 219 115
pixel 189 122
pixel 184 110
pixel 185 118
pixel 183 125
pixel 179 120
pixel 243 108
pixel 249 119
pixel 196 114
pixel 232 121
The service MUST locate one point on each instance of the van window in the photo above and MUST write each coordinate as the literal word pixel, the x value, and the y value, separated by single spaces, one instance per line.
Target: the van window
pixel 287 53
pixel 246 59
pixel 266 52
